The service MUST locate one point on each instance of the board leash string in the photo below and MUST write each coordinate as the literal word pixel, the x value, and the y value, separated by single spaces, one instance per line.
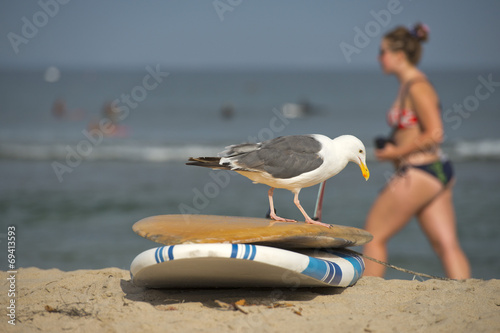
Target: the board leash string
pixel 399 268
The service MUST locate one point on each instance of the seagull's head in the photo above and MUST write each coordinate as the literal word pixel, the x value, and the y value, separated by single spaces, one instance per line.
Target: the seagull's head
pixel 356 152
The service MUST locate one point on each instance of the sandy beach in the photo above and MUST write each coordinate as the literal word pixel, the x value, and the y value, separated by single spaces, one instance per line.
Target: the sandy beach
pixel 106 301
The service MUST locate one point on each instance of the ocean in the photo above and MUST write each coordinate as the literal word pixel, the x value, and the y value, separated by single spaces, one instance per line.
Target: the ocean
pixel 72 188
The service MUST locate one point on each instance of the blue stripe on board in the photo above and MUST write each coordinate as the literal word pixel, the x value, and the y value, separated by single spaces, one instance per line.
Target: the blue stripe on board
pixel 337 277
pixel 157 257
pixel 315 269
pixel 356 262
pixel 254 251
pixel 247 251
pixel 234 251
pixel 171 252
pixel 323 270
pixel 159 254
pixel 330 272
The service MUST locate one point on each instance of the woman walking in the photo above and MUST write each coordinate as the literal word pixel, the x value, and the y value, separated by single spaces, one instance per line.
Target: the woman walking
pixel 423 181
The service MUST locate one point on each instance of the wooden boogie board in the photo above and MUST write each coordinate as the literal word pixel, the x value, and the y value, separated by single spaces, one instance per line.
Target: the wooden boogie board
pixel 244 265
pixel 203 229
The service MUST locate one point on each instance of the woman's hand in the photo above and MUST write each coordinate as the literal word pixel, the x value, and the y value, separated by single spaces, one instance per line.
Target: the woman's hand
pixel 388 153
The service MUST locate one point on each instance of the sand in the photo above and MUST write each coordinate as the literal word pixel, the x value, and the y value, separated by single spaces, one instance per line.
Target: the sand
pixel 106 301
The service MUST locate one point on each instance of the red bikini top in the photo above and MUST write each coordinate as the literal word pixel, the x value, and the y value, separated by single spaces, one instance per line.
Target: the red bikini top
pixel 402 118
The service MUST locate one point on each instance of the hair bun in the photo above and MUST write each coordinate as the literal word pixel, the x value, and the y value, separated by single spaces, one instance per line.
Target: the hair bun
pixel 420 31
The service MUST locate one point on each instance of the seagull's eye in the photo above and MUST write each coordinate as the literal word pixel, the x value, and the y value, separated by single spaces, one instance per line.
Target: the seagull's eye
pixel 361 151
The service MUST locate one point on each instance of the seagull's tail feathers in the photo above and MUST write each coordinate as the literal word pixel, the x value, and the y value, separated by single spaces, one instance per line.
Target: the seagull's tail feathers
pixel 240 149
pixel 208 162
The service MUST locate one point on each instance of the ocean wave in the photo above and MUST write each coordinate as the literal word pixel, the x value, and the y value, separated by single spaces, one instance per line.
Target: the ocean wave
pixel 485 149
pixel 123 151
pixel 108 152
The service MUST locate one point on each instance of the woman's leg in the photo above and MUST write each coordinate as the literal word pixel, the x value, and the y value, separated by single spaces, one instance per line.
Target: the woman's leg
pixel 437 220
pixel 402 198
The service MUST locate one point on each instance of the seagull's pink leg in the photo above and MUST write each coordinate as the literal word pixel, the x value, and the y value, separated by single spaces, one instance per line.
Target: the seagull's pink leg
pixel 308 219
pixel 271 206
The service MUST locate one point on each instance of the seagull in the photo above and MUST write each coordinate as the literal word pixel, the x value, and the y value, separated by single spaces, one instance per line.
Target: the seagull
pixel 290 162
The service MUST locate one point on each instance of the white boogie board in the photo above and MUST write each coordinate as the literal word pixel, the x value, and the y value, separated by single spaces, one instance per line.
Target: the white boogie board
pixel 244 265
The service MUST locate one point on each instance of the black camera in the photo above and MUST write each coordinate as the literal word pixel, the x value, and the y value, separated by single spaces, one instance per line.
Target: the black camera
pixel 381 141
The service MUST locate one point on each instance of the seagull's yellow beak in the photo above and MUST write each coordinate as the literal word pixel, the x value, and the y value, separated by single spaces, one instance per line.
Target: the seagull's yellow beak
pixel 364 169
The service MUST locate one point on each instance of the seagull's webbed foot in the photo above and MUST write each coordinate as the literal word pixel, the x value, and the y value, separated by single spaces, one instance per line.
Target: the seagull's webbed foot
pixel 280 219
pixel 311 221
pixel 308 219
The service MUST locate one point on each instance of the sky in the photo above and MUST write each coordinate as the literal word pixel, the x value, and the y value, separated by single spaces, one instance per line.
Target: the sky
pixel 241 34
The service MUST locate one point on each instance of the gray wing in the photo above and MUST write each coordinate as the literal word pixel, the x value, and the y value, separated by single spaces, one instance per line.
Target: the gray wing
pixel 282 157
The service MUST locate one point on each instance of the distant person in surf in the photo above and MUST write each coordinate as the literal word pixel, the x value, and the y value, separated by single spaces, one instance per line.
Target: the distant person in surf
pixel 109 123
pixel 61 111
